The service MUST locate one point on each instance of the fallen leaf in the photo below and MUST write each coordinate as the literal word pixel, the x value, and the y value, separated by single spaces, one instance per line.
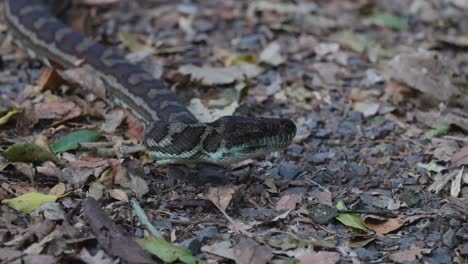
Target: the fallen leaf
pixel 58 190
pixel 54 109
pixel 388 20
pixel 322 257
pixel 431 166
pixel 113 120
pixel 271 54
pixel 444 149
pixel 131 41
pixel 461 157
pixel 119 195
pixel 350 220
pixel 85 79
pixel 246 250
pixel 426 72
pixel 222 249
pixel 367 108
pixel 28 152
pixel 437 132
pixel 168 252
pixel 220 76
pixel 4 119
pixel 288 202
pixel 205 114
pixel 382 225
pixel 406 255
pixel 29 202
pixel 71 141
pixel 221 196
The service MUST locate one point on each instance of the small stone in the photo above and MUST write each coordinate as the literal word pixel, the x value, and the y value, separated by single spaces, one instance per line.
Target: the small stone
pixel 438 256
pixel 165 225
pixel 358 170
pixel 295 190
pixel 318 158
pixel 395 183
pixel 355 116
pixel 193 244
pixel 207 232
pixel 203 25
pixel 295 150
pixel 432 238
pixel 169 183
pixel 454 223
pixel 241 173
pixel 464 251
pixel 289 171
pixel 259 188
pixel 462 233
pixel 449 239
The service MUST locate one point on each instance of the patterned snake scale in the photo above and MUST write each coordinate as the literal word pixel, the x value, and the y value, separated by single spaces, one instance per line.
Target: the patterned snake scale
pixel 173 135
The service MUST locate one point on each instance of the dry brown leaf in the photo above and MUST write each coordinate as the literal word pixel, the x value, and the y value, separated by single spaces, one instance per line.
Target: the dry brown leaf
pixel 382 225
pixel 444 148
pixel 426 72
pixel 221 196
pixel 54 110
pixel 49 79
pixel 322 257
pixel 216 76
pixel 461 157
pixel 119 195
pixel 86 79
pixel 247 251
pixel 288 202
pixel 58 190
pixel 135 129
pixel 396 92
pixel 406 255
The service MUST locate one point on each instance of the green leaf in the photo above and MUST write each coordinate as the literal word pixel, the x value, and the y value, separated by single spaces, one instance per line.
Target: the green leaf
pixel 29 202
pixel 437 132
pixel 431 166
pixel 389 20
pixel 168 252
pixel 350 220
pixel 72 140
pixel 28 152
pixel 378 120
pixel 4 119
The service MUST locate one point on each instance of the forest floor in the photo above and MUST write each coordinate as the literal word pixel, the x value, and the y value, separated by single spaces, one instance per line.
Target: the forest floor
pixel 377 89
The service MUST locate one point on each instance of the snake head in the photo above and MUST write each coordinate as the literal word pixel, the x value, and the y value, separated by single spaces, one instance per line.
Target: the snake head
pixel 228 140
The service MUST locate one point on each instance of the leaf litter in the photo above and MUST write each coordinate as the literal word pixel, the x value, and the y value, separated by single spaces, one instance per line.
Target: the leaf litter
pixel 381 105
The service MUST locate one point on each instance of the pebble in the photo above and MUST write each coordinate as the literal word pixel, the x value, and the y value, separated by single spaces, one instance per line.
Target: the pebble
pixel 464 251
pixel 207 232
pixel 289 171
pixel 438 256
pixel 449 239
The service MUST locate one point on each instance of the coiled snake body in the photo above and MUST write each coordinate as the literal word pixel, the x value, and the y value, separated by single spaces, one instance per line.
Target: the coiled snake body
pixel 172 133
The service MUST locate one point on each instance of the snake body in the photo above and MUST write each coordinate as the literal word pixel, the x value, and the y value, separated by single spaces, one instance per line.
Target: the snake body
pixel 172 133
